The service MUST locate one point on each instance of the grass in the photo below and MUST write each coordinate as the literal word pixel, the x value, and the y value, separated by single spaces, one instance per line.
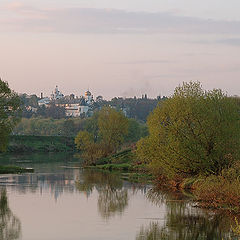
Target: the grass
pixel 20 144
pixel 138 177
pixel 125 162
pixel 14 170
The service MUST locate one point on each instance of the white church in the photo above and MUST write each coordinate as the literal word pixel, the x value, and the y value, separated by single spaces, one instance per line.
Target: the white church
pixel 74 107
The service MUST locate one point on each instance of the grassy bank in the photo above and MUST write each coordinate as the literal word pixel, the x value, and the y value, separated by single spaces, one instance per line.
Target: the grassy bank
pixel 125 162
pixel 14 170
pixel 23 144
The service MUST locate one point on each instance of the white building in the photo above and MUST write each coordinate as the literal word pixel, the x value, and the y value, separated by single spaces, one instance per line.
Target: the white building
pixel 56 94
pixel 75 110
pixel 44 101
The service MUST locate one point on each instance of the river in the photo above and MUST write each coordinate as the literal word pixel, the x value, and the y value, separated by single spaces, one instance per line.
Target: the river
pixel 61 201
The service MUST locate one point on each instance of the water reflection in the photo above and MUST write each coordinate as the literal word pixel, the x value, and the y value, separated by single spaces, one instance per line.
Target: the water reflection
pixel 151 215
pixel 10 225
pixel 184 222
pixel 112 197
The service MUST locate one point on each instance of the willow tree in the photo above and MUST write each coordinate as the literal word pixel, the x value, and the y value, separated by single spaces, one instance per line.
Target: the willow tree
pixel 193 132
pixel 9 108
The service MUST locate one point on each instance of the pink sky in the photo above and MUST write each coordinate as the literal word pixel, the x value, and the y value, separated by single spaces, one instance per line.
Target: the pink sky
pixel 114 52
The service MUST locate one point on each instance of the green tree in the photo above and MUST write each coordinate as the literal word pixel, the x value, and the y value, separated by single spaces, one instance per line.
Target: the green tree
pixel 55 112
pixel 193 132
pixel 68 128
pixel 83 140
pixel 9 109
pixel 104 134
pixel 90 151
pixel 136 131
pixel 113 126
pixel 91 126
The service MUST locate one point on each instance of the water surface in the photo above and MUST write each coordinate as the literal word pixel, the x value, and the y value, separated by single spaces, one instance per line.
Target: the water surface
pixel 61 201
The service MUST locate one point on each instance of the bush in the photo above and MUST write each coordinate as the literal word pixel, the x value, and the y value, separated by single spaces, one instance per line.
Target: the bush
pixel 218 192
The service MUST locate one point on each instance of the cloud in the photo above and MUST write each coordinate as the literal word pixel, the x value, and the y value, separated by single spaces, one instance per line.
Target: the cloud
pixel 225 41
pixel 91 20
pixel 230 41
pixel 148 61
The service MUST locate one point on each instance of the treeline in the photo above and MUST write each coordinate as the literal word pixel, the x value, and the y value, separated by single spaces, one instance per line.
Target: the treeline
pixel 50 127
pixel 31 144
pixel 136 108
pixel 71 127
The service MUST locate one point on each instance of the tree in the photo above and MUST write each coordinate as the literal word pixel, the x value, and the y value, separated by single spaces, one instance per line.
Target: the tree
pixel 9 109
pixel 91 126
pixel 55 112
pixel 68 128
pixel 113 126
pixel 90 150
pixel 103 135
pixel 136 130
pixel 193 132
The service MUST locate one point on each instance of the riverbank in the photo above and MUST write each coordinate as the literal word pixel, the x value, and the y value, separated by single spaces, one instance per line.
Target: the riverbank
pixel 221 192
pixel 215 192
pixel 31 144
pixel 125 162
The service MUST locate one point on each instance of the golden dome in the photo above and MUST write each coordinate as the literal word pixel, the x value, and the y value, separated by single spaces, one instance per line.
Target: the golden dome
pixel 88 93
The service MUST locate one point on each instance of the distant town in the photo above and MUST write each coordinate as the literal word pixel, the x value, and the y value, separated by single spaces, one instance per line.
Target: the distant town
pixel 74 106
pixel 58 105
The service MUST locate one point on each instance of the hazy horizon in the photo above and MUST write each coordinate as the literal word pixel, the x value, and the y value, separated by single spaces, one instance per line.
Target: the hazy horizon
pixel 119 48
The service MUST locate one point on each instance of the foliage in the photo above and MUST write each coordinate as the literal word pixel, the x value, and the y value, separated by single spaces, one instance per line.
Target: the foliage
pixel 50 127
pixel 113 126
pixel 136 131
pixel 21 144
pixel 92 127
pixel 236 228
pixel 221 191
pixel 29 100
pixel 68 128
pixel 90 150
pixel 194 132
pixel 14 170
pixel 106 131
pixel 116 167
pixel 55 112
pixel 9 109
pixel 136 108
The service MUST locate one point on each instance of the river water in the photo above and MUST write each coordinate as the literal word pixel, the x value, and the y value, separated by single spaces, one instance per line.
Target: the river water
pixel 61 201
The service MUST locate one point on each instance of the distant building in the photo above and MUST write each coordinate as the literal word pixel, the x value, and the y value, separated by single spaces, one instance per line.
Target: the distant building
pixel 44 101
pixel 56 94
pixel 31 109
pixel 88 97
pixel 75 110
pixel 74 106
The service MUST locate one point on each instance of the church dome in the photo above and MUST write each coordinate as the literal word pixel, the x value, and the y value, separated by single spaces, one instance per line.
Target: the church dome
pixel 88 93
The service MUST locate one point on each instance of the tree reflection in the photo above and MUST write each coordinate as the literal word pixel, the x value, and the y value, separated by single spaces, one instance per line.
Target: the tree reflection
pixel 184 222
pixel 112 198
pixel 112 201
pixel 10 225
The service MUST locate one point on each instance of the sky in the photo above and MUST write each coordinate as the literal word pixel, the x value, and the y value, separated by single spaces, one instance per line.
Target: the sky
pixel 119 48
